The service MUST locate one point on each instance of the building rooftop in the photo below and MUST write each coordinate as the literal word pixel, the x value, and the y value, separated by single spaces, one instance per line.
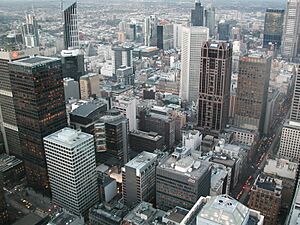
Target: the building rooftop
pixel 183 163
pixel 282 168
pixel 223 209
pixel 68 137
pixel 141 161
pixel 147 135
pixel 7 162
pixel 88 108
pixel 175 215
pixel 86 76
pixel 268 183
pixel 31 219
pixel 144 214
pixel 66 218
pixel 34 61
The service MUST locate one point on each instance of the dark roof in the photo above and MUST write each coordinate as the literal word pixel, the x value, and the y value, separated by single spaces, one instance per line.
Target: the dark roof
pixel 86 109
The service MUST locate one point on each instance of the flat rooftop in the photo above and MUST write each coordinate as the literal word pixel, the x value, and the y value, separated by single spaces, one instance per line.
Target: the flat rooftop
pixel 141 160
pixel 34 61
pixel 7 162
pixel 68 137
pixel 146 135
pixel 66 218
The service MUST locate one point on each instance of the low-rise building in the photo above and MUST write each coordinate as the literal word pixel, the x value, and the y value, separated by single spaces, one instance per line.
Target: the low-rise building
pixel 12 170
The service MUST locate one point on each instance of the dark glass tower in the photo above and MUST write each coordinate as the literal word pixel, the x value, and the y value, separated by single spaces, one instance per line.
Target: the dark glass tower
pixel 160 36
pixel 197 14
pixel 71 34
pixel 273 27
pixel 224 31
pixel 72 64
pixel 38 96
pixel 214 86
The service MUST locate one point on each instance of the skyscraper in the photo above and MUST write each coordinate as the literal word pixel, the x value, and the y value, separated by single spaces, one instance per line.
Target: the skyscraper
pixel 290 40
pixel 192 40
pixel 252 91
pixel 71 163
pixel 121 55
pixel 273 27
pixel 197 14
pixel 138 179
pixel 224 30
pixel 214 86
pixel 38 94
pixel 210 20
pixel 8 121
pixel 295 109
pixel 89 86
pixel 72 64
pixel 150 28
pixel 70 19
pixel 30 32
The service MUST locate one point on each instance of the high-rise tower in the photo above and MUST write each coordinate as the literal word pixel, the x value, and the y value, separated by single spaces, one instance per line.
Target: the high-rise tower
pixel 30 31
pixel 214 86
pixel 151 30
pixel 290 41
pixel 197 14
pixel 192 40
pixel 38 95
pixel 70 20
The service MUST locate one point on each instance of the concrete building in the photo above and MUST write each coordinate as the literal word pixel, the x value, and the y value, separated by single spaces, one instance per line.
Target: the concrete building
pixel 220 180
pixel 90 86
pixel 121 56
pixel 138 179
pixel 223 209
pixel 290 39
pixel 145 141
pixel 8 121
pixel 294 214
pixel 144 214
pixel 30 32
pixel 265 197
pixel 61 218
pixel 191 139
pixel 71 89
pixel 150 31
pixel 12 170
pixel 210 20
pixel 70 154
pixel 273 27
pixel 295 109
pixel 125 75
pixel 127 106
pixel 192 41
pixel 40 80
pixel 165 36
pixel 252 91
pixel 72 63
pixel 70 26
pixel 108 213
pixel 181 179
pixel 177 35
pixel 214 86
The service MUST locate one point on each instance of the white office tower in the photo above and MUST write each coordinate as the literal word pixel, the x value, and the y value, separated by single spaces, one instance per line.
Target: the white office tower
pixel 70 24
pixel 150 28
pixel 192 40
pixel 70 157
pixel 294 215
pixel 290 40
pixel 290 136
pixel 177 34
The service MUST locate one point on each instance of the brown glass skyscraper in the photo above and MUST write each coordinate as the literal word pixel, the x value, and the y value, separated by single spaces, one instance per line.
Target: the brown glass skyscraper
pixel 38 95
pixel 252 91
pixel 214 86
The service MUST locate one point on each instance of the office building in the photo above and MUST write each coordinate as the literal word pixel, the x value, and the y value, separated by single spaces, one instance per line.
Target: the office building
pixel 294 213
pixel 116 138
pixel 273 27
pixel 8 121
pixel 121 56
pixel 265 197
pixel 127 106
pixel 165 36
pixel 181 179
pixel 11 170
pixel 210 20
pixel 214 86
pixel 145 141
pixel 72 64
pixel 224 209
pixel 108 213
pixel 70 157
pixel 138 179
pixel 191 139
pixel 62 217
pixel 290 39
pixel 150 31
pixel 125 75
pixel 89 86
pixel 160 123
pixel 70 25
pixel 197 14
pixel 71 89
pixel 177 35
pixel 144 214
pixel 192 41
pixel 224 30
pixel 30 32
pixel 295 109
pixel 38 94
pixel 252 91
pixel 3 207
